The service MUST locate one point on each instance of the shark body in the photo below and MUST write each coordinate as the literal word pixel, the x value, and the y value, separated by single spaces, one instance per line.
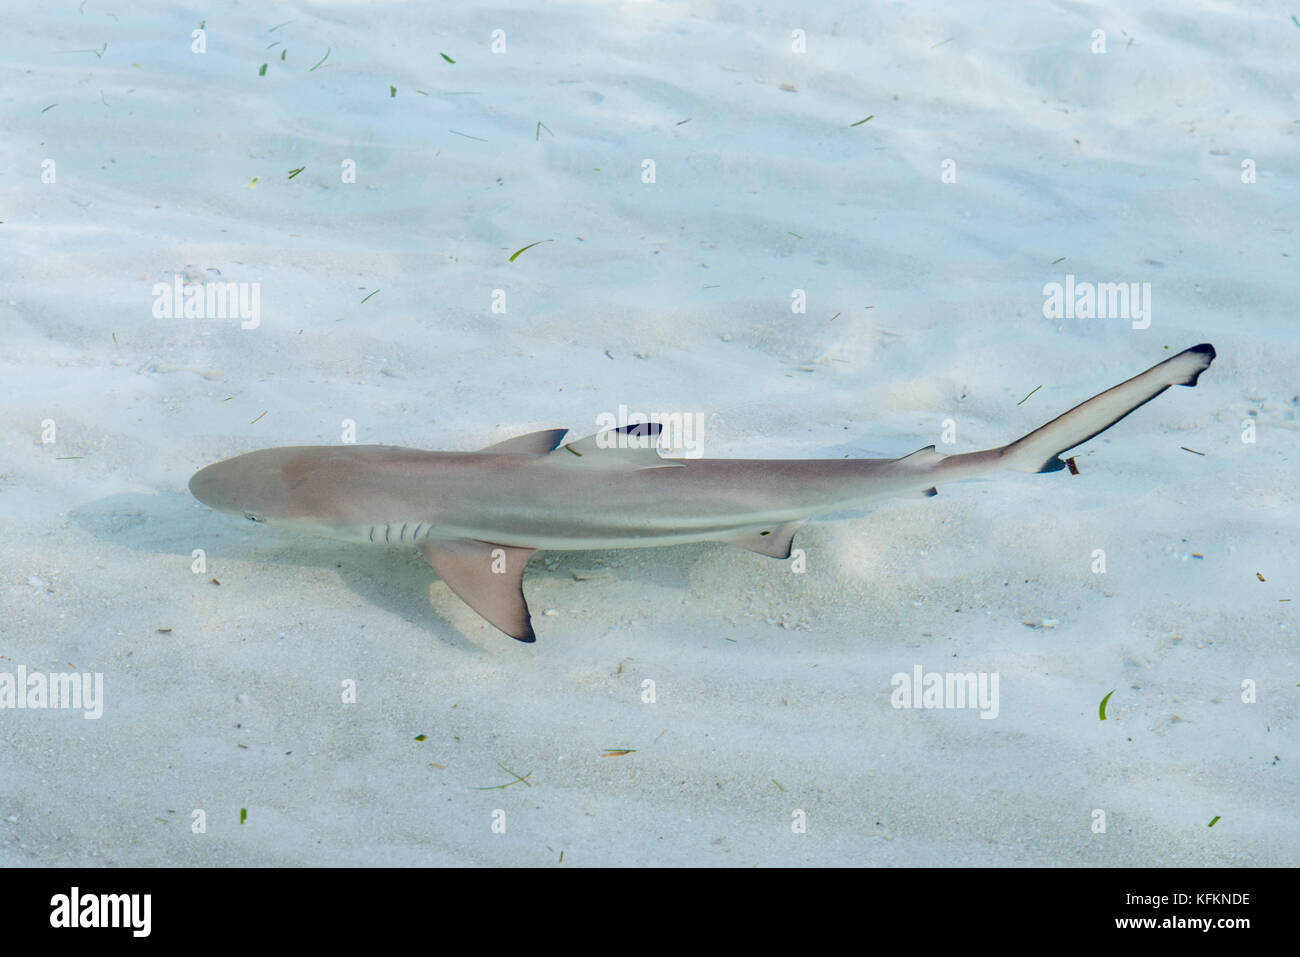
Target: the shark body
pixel 479 516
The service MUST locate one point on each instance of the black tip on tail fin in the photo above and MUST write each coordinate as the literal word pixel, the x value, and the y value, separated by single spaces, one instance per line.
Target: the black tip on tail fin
pixel 1206 350
pixel 1040 450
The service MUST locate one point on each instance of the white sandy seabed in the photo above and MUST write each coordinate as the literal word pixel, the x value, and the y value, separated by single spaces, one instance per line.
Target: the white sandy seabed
pixel 772 689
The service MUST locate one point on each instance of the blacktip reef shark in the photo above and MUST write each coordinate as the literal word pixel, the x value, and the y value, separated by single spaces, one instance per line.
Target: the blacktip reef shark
pixel 479 516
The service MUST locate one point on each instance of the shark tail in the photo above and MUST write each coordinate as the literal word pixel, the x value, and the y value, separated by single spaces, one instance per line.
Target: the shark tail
pixel 1040 450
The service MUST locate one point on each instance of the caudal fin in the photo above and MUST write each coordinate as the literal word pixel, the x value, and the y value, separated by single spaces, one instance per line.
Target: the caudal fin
pixel 1040 450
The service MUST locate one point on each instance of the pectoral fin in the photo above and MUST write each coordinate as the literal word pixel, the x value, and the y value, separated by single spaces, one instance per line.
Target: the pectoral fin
pixel 488 578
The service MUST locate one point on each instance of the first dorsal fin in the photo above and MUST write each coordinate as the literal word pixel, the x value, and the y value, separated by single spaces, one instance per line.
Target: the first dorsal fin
pixel 488 578
pixel 628 447
pixel 534 443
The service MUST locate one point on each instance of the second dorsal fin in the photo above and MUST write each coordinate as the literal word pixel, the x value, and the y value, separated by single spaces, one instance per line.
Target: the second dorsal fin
pixel 922 458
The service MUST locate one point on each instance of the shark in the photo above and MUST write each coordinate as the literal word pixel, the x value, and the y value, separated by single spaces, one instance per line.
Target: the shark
pixel 479 516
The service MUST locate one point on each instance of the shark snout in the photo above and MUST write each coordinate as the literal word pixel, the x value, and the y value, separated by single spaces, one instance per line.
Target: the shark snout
pixel 251 486
pixel 213 487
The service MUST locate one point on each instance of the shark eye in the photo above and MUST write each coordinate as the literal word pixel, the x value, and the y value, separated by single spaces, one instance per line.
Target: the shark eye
pixel 254 518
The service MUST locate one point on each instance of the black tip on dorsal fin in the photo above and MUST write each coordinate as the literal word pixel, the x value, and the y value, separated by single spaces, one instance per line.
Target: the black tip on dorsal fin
pixel 641 428
pixel 626 447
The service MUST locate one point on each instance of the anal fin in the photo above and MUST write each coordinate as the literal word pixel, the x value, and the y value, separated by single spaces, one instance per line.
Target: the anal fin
pixel 774 542
pixel 488 578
